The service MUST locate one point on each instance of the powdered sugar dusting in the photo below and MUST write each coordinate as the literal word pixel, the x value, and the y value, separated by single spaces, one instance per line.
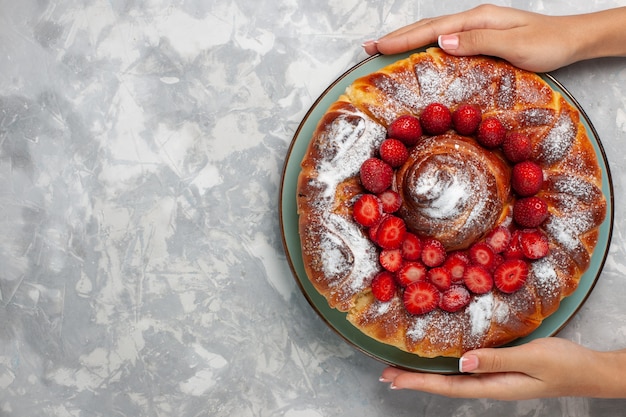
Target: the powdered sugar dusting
pixel 558 142
pixel 480 312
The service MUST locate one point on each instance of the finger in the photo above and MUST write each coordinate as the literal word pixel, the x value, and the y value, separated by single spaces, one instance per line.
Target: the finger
pixel 492 360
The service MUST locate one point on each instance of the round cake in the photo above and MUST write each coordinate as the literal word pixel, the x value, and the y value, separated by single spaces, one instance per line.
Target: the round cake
pixel 448 203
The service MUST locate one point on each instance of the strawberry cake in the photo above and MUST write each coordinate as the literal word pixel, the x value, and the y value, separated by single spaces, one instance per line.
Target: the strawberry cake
pixel 448 203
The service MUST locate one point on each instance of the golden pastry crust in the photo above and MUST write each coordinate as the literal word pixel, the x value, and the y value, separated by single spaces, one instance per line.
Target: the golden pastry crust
pixel 341 261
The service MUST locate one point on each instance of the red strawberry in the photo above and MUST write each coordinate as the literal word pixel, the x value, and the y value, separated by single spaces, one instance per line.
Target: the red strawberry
pixel 376 175
pixel 405 128
pixel 384 286
pixel 367 210
pixel 391 201
pixel 421 297
pixel 466 119
pixel 498 239
pixel 517 147
pixel 514 250
pixel 433 253
pixel 391 232
pixel 411 272
pixel 534 243
pixel 530 211
pixel 481 254
pixel 510 275
pixel 477 279
pixel 491 133
pixel 411 247
pixel 393 152
pixel 390 259
pixel 440 277
pixel 436 119
pixel 455 298
pixel 526 178
pixel 456 262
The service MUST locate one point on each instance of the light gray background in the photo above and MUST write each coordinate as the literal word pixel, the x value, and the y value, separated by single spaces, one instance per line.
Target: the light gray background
pixel 142 271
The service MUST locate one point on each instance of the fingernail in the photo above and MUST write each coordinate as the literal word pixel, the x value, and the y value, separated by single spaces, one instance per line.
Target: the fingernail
pixel 448 42
pixel 369 43
pixel 383 379
pixel 468 363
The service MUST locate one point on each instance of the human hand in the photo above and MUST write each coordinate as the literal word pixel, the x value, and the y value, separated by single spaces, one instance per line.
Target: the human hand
pixel 530 41
pixel 547 367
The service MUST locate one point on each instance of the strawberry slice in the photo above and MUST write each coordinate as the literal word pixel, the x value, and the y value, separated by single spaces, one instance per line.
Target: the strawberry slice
pixel 376 175
pixel 456 262
pixel 440 277
pixel 390 259
pixel 491 133
pixel 534 243
pixel 433 253
pixel 411 247
pixel 436 119
pixel 384 286
pixel 421 297
pixel 498 239
pixel 393 152
pixel 411 272
pixel 466 119
pixel 514 249
pixel 406 128
pixel 455 298
pixel 510 275
pixel 390 200
pixel 477 279
pixel 391 232
pixel 372 232
pixel 367 210
pixel 530 212
pixel 480 253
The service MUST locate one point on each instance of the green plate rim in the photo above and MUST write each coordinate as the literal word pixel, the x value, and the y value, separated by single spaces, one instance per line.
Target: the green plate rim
pixel 389 355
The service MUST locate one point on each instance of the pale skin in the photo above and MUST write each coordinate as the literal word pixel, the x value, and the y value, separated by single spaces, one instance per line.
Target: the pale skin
pixel 546 367
pixel 531 41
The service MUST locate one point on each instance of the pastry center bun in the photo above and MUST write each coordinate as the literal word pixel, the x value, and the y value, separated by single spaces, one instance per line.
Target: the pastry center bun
pixel 453 190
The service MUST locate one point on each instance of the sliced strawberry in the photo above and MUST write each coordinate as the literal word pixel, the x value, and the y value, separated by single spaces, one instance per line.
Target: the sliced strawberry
pixel 477 279
pixel 411 247
pixel 411 272
pixel 517 147
pixel 455 298
pixel 481 254
pixel 406 128
pixel 530 212
pixel 433 253
pixel 376 175
pixel 498 239
pixel 372 232
pixel 390 259
pixel 466 119
pixel 391 232
pixel 526 178
pixel 391 201
pixel 534 243
pixel 456 262
pixel 440 277
pixel 421 297
pixel 367 210
pixel 436 119
pixel 510 275
pixel 514 250
pixel 384 286
pixel 393 152
pixel 491 133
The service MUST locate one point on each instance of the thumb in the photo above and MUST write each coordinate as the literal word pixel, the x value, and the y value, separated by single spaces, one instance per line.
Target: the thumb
pixel 490 360
pixel 478 42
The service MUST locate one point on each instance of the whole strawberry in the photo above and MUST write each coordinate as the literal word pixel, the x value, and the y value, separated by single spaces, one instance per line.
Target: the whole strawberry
pixel 517 147
pixel 526 178
pixel 393 152
pixel 436 119
pixel 406 128
pixel 530 211
pixel 466 119
pixel 376 175
pixel 491 133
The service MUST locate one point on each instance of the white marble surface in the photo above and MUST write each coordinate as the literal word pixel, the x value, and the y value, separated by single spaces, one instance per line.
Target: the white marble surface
pixel 141 149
